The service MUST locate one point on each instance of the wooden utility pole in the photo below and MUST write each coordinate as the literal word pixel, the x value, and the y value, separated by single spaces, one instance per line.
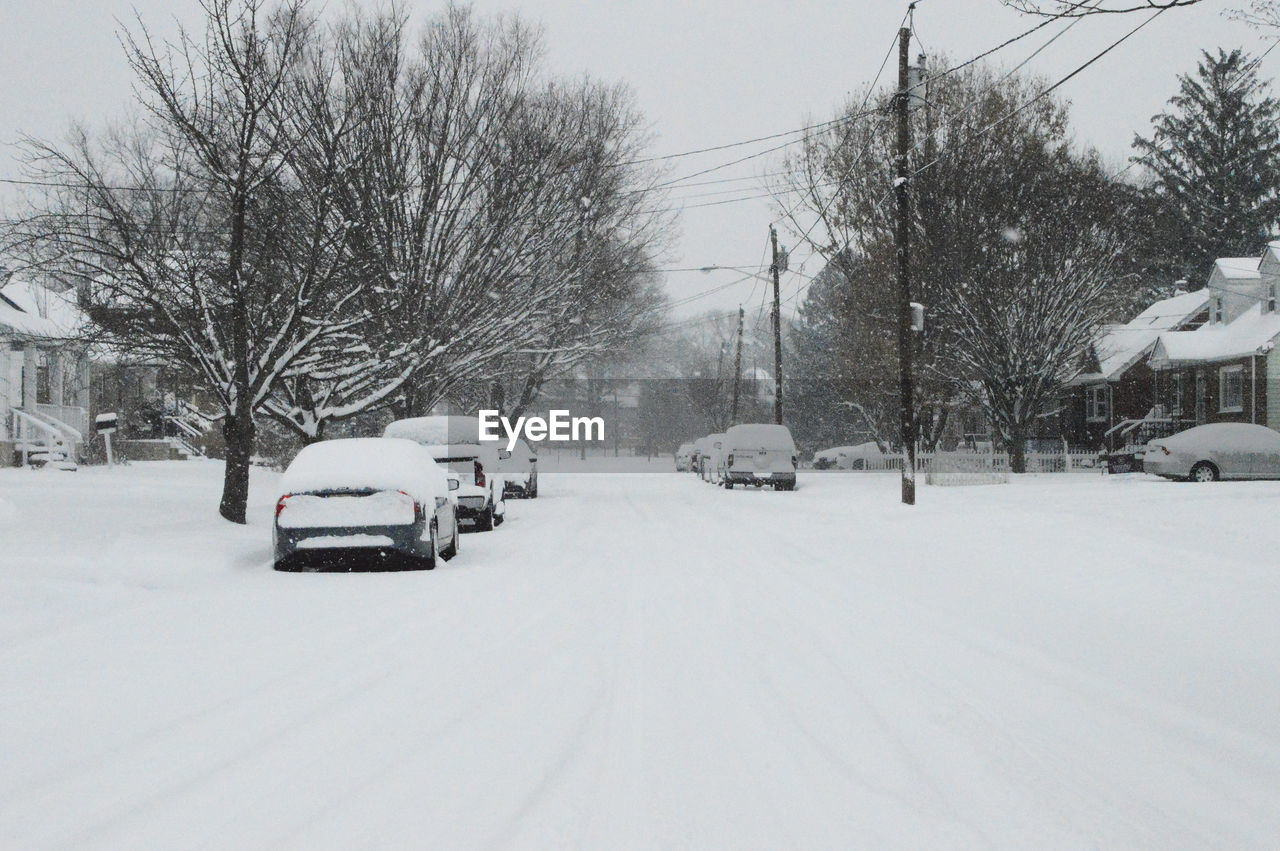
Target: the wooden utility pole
pixel 737 367
pixel 906 389
pixel 777 330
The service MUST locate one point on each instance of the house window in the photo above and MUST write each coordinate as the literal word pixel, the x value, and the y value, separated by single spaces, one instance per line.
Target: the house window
pixel 1175 395
pixel 1231 389
pixel 1271 299
pixel 1216 315
pixel 1097 406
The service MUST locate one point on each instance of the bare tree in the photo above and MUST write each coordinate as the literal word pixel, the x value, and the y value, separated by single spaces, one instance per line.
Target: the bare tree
pixel 1002 202
pixel 1081 8
pixel 197 236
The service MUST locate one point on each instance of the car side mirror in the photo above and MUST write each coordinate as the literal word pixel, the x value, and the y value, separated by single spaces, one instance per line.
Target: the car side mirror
pixel 454 484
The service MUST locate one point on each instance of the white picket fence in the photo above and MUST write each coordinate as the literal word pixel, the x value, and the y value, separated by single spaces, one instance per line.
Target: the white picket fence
pixel 995 462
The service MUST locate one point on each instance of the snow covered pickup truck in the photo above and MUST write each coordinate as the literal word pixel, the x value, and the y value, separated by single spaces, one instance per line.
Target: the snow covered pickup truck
pixel 758 454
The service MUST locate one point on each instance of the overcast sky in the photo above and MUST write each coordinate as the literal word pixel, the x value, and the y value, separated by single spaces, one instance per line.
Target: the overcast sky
pixel 705 73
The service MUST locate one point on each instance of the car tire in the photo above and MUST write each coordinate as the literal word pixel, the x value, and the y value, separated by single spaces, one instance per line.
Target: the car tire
pixel 728 485
pixel 429 562
pixel 1203 471
pixel 452 550
pixel 484 521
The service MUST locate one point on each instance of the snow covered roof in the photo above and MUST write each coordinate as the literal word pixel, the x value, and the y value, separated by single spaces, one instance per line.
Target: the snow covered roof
pixel 437 430
pixel 1119 347
pixel 1215 342
pixel 1237 268
pixel 30 310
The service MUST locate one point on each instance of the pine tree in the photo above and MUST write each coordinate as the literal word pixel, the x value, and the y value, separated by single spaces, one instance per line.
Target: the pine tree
pixel 1215 158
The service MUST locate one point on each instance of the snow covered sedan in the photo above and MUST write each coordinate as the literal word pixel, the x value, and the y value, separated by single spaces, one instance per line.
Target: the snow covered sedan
pixel 758 454
pixel 363 502
pixel 855 457
pixel 1216 451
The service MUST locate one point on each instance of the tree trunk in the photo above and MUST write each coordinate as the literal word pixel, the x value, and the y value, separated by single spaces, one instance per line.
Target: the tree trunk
pixel 239 433
pixel 1018 450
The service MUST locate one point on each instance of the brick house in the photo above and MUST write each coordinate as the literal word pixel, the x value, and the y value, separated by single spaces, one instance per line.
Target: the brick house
pixel 1219 371
pixel 1118 384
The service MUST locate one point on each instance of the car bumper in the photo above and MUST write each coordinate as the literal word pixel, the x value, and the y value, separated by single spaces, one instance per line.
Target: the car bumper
pixel 1164 465
pixel 351 542
pixel 739 477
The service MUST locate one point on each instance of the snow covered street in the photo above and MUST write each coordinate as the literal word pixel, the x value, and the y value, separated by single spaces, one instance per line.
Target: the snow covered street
pixel 647 661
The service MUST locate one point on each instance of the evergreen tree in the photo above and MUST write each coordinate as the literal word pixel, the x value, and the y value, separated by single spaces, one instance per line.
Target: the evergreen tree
pixel 1215 157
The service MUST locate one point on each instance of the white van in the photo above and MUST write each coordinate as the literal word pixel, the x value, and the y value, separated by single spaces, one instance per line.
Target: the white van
pixel 759 454
pixel 454 442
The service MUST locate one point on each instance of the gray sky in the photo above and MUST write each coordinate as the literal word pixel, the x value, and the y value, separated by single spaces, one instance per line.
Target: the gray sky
pixel 705 73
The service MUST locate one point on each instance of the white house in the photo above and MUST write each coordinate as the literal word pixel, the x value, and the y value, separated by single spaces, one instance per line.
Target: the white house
pixel 44 377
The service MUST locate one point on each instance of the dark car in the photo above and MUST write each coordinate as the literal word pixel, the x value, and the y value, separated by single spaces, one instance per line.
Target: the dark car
pixel 364 502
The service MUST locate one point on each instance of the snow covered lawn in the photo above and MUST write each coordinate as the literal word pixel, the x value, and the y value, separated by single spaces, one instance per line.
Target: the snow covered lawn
pixel 647 661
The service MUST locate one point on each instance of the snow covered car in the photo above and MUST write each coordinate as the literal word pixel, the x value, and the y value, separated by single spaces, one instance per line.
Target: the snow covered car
pixel 519 471
pixel 847 457
pixel 453 441
pixel 759 454
pixel 363 501
pixel 684 458
pixel 711 467
pixel 1216 451
pixel 699 455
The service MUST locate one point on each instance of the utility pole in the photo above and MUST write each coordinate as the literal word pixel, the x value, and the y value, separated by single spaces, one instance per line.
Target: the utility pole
pixel 906 389
pixel 777 330
pixel 737 367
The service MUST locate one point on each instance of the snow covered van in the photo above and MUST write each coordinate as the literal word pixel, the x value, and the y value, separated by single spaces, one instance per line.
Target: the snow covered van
pixel 758 454
pixel 454 443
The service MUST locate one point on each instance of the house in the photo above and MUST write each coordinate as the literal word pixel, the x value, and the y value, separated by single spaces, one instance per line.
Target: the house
pixel 1118 387
pixel 1219 371
pixel 44 377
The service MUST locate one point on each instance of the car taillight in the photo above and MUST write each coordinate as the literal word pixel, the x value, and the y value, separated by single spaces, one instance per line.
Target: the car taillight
pixel 417 508
pixel 479 475
pixel 280 504
pixel 1165 450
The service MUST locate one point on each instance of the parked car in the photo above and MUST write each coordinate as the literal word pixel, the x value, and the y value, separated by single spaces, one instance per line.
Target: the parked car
pixel 759 454
pixel 684 457
pixel 363 501
pixel 453 443
pixel 847 457
pixel 711 466
pixel 1216 451
pixel 519 471
pixel 699 455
